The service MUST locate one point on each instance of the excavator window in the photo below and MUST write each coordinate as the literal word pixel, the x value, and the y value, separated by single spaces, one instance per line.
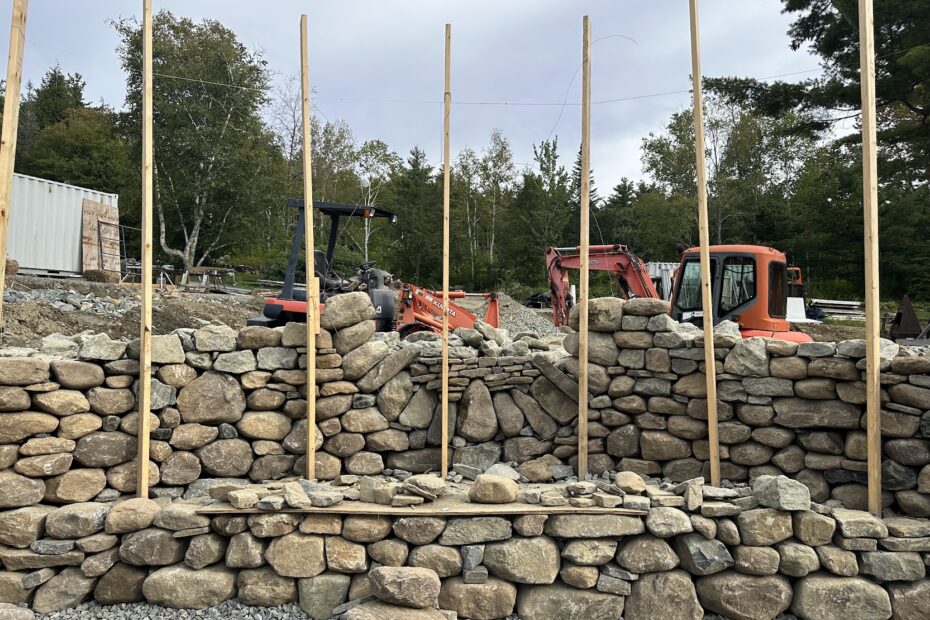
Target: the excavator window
pixel 689 292
pixel 738 284
pixel 778 290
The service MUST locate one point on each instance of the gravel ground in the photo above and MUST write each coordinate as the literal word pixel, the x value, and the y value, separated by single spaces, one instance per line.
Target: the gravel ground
pixel 230 610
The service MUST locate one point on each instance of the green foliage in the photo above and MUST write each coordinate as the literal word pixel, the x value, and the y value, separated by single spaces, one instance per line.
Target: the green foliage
pixel 84 149
pixel 216 161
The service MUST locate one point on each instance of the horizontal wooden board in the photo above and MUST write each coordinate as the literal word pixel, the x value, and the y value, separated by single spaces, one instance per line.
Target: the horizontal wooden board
pixel 443 507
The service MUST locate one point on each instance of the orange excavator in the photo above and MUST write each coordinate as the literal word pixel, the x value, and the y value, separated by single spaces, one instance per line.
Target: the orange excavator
pixel 750 285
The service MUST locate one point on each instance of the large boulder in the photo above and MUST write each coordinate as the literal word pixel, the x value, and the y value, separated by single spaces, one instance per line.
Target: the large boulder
pixel 827 597
pixel 211 338
pixel 524 560
pixel 17 491
pixel 22 527
pixel 663 595
pixel 15 427
pixel 297 555
pixel 211 398
pixel 798 413
pixel 406 586
pixel 67 589
pixel 226 458
pixel 105 449
pixel 744 597
pixel 601 347
pixel 490 600
pixel 23 370
pixel 76 375
pixel 76 520
pixel 347 309
pixel 388 368
pixel 548 602
pixel 319 595
pixel 749 358
pixel 180 587
pixel 605 314
pixel 476 418
pixel 265 588
pixel 152 547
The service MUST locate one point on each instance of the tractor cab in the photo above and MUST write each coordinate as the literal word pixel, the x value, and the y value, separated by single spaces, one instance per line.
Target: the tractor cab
pixel 750 286
pixel 291 304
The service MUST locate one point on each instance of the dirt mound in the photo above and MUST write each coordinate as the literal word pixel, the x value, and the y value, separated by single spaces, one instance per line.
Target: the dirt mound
pixel 38 307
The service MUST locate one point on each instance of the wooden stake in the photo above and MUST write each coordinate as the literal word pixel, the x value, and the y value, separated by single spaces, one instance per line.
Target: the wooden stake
pixel 145 329
pixel 870 221
pixel 313 303
pixel 583 283
pixel 14 75
pixel 707 302
pixel 446 147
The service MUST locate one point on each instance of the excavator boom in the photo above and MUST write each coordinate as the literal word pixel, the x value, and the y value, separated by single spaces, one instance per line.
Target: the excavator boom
pixel 629 269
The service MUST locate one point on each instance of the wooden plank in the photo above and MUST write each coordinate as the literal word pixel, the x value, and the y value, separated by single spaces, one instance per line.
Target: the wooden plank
pixel 93 214
pixel 870 222
pixel 446 147
pixel 313 286
pixel 145 328
pixel 14 76
pixel 583 247
pixel 439 508
pixel 707 304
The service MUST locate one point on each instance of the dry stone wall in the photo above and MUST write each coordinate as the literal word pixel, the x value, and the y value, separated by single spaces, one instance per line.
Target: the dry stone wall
pixel 231 405
pixel 783 408
pixel 228 411
pixel 744 553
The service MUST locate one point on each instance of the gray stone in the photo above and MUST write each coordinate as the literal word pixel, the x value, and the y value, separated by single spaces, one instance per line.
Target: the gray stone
pixel 744 597
pixel 782 493
pixel 561 601
pixel 700 556
pixel 827 597
pixel 180 587
pixel 668 594
pixel 405 586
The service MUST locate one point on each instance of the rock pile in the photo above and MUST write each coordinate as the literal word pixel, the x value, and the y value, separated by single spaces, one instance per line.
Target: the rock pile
pixel 72 301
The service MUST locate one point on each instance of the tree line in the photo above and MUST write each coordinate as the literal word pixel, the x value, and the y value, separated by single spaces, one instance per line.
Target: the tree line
pixel 783 171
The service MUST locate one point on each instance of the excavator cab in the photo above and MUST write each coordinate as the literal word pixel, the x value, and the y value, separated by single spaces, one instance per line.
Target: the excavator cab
pixel 750 286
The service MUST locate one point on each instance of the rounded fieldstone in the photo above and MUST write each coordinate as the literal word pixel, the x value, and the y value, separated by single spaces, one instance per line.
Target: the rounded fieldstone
pixel 226 458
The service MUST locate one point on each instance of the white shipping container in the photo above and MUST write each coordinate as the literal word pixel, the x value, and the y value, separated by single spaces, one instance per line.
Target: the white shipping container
pixel 45 224
pixel 663 275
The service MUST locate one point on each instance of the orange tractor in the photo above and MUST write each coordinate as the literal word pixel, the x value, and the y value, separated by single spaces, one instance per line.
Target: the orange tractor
pixel 750 285
pixel 399 306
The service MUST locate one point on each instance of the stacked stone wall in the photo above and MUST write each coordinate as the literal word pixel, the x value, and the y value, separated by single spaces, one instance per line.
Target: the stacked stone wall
pixel 741 553
pixel 783 408
pixel 230 404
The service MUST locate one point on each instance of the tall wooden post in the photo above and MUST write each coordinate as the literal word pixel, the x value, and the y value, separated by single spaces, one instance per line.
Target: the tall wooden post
pixel 446 147
pixel 14 76
pixel 313 296
pixel 584 245
pixel 870 221
pixel 707 302
pixel 145 329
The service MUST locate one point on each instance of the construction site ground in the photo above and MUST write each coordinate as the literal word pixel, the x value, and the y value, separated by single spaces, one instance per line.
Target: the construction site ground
pixel 27 322
pixel 34 312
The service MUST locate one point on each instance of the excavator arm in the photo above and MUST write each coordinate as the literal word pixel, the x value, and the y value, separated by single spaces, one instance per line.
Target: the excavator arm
pixel 629 269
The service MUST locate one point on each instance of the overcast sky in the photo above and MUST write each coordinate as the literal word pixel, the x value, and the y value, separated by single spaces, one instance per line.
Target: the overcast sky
pixel 378 64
